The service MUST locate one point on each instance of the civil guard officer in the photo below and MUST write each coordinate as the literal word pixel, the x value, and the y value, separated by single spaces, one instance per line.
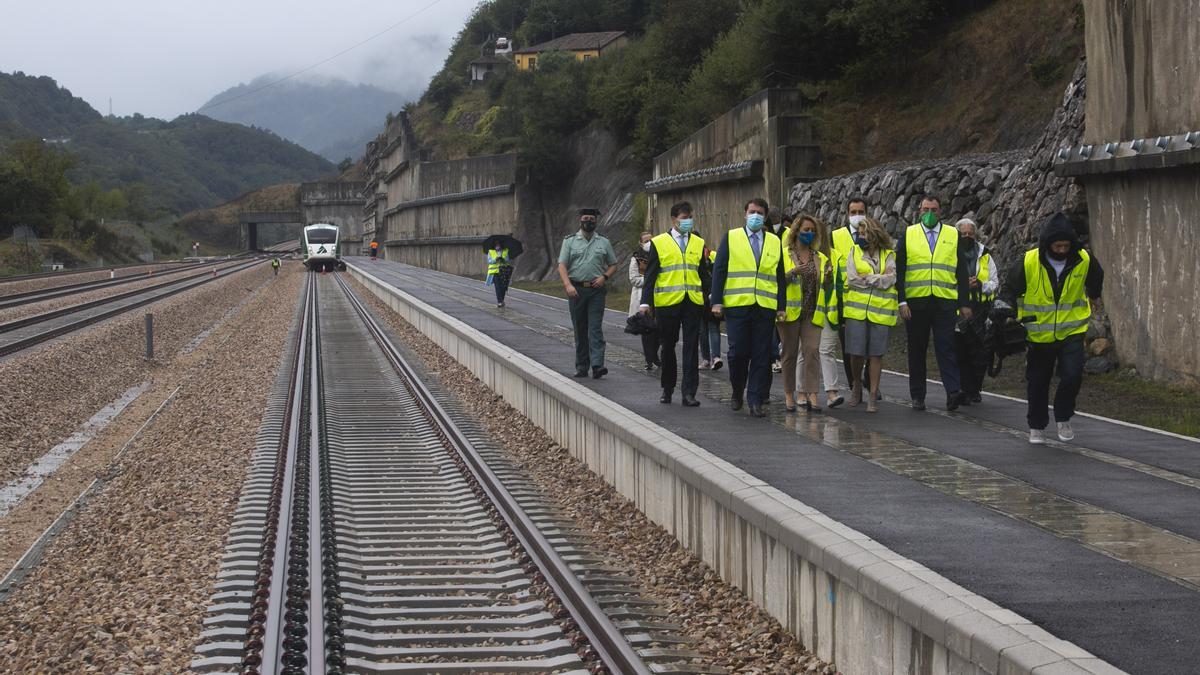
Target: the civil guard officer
pixel 749 283
pixel 586 262
pixel 673 293
pixel 1050 288
pixel 931 285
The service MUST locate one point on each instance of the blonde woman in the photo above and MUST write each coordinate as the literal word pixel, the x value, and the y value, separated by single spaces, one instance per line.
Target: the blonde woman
pixel 870 307
pixel 809 278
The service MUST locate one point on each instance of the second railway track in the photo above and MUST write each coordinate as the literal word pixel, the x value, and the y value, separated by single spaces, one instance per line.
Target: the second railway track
pixel 29 331
pixel 375 535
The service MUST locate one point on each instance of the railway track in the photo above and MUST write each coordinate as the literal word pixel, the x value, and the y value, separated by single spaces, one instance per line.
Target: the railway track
pixel 24 333
pixel 30 297
pixel 374 534
pixel 79 270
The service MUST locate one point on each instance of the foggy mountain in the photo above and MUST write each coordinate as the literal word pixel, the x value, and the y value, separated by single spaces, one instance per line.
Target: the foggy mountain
pixel 331 117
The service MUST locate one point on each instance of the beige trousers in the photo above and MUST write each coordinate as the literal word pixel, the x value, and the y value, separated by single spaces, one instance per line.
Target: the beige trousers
pixel 796 337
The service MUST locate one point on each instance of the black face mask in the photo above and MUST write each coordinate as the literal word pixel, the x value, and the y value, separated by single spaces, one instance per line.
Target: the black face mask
pixel 1057 256
pixel 588 225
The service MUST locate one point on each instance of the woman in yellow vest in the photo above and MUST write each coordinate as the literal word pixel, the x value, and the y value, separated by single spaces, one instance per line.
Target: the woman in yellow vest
pixel 809 279
pixel 1050 289
pixel 870 305
pixel 499 271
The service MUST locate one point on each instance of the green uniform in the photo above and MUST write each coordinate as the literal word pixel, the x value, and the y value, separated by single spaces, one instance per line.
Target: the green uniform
pixel 585 259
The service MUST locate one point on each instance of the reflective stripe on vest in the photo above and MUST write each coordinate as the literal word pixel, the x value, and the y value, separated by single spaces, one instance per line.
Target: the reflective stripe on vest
pixel 745 284
pixel 928 274
pixel 795 290
pixel 678 272
pixel 873 304
pixel 495 258
pixel 1053 321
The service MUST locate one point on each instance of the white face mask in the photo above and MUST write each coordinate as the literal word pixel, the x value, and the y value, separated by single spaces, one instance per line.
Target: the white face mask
pixel 856 219
pixel 646 246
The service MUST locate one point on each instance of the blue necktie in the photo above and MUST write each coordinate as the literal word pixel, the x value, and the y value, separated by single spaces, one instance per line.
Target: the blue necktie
pixel 931 235
pixel 756 246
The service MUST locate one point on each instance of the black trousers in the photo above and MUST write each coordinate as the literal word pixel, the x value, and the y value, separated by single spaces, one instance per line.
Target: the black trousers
pixel 650 348
pixel 749 330
pixel 685 318
pixel 501 281
pixel 939 316
pixel 1040 365
pixel 969 350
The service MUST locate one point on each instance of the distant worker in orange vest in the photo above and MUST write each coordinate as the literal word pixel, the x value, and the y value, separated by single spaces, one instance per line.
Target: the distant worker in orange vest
pixel 374 250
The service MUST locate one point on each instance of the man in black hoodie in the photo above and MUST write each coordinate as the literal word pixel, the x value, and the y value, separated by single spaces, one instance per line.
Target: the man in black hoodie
pixel 1049 291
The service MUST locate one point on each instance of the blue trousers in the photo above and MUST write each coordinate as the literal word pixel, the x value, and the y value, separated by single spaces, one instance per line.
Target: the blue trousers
pixel 939 316
pixel 750 331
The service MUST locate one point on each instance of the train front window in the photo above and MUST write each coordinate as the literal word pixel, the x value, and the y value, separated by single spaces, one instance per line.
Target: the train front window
pixel 322 236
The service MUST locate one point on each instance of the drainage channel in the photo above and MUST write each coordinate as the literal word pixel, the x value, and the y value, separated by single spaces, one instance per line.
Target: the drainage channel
pixel 409 545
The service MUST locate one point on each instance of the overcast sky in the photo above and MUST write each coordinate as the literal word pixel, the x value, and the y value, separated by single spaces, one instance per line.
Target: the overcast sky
pixel 166 57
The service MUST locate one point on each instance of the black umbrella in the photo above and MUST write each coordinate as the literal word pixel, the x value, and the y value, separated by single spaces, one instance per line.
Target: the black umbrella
pixel 514 245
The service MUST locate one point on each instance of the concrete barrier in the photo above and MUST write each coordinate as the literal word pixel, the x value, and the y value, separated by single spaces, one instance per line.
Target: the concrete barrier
pixel 847 597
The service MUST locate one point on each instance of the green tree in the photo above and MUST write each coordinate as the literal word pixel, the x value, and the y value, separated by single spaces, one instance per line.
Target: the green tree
pixel 34 189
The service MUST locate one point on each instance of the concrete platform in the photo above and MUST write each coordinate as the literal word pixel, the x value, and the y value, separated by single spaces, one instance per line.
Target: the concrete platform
pixel 1095 542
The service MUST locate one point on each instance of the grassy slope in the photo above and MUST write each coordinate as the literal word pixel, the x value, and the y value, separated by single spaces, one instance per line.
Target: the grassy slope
pixel 991 83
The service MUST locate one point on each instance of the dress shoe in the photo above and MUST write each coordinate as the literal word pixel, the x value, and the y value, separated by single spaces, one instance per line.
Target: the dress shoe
pixel 918 404
pixel 757 411
pixel 953 400
pixel 666 396
pixel 581 373
pixel 598 373
pixel 690 401
pixel 976 398
pixel 736 403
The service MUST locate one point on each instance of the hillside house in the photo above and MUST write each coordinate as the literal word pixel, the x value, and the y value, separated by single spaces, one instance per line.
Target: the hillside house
pixel 484 66
pixel 584 46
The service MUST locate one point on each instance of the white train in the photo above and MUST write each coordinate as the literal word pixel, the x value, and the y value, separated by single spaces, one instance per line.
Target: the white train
pixel 319 246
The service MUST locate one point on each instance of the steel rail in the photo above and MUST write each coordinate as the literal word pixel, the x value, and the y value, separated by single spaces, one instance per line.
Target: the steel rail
pixel 612 649
pixel 25 343
pixel 29 297
pixel 263 646
pixel 78 270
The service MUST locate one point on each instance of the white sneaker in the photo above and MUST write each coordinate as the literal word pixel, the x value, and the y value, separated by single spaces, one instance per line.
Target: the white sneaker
pixel 1037 437
pixel 1065 432
pixel 777 367
pixel 704 365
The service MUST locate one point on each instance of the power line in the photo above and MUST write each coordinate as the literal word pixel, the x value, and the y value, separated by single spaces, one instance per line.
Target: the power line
pixel 323 61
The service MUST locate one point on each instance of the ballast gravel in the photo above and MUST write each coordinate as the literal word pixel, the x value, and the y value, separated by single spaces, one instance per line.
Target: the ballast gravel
pixel 50 389
pixel 724 624
pixel 124 587
pixel 10 287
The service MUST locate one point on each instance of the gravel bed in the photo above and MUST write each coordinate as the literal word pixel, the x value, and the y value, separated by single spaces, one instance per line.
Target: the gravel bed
pixel 52 388
pixel 53 282
pixel 22 311
pixel 124 587
pixel 724 624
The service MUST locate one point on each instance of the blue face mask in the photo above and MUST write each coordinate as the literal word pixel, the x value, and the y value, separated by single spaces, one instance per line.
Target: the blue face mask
pixel 755 221
pixel 685 225
pixel 806 238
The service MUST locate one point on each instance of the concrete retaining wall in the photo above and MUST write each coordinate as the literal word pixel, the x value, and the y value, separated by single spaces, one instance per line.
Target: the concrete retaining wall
pixel 1143 64
pixel 847 597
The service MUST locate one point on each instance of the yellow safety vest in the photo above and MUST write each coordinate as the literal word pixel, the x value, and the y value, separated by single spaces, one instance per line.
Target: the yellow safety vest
pixel 928 274
pixel 877 305
pixel 1053 321
pixel 843 241
pixel 747 284
pixel 983 275
pixel 496 259
pixel 678 271
pixel 795 290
